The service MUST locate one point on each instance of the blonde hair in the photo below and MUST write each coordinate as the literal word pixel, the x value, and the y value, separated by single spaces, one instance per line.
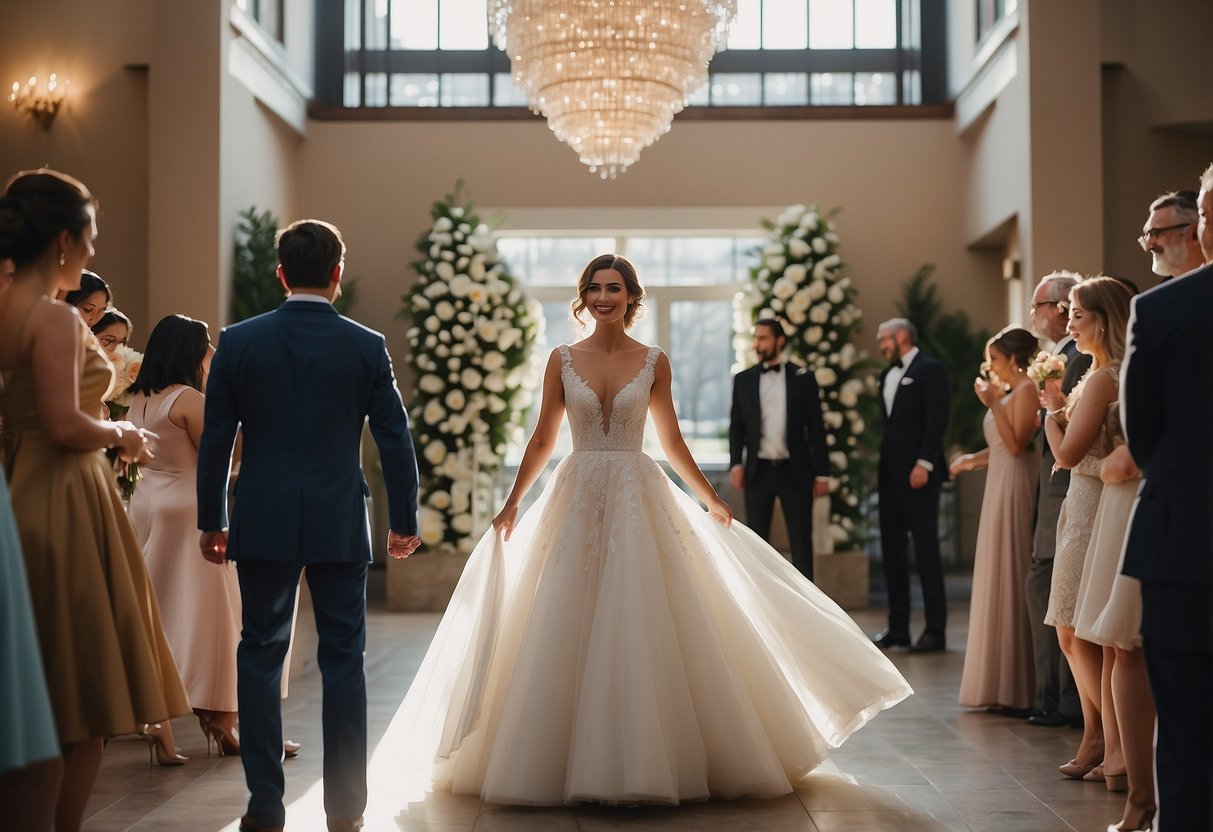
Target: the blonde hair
pixel 1107 298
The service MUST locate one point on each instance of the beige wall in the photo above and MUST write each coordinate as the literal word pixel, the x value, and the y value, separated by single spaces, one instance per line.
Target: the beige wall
pixel 101 134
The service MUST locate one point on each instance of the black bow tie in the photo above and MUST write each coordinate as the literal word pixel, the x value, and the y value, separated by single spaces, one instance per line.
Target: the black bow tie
pixel 897 363
pixel 772 368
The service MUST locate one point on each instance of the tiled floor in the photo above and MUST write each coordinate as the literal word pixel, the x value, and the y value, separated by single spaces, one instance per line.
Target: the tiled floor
pixel 927 764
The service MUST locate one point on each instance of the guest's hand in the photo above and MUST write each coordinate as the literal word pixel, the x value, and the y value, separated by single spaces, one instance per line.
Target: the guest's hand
pixel 719 510
pixel 401 546
pixel 919 476
pixel 135 443
pixel 505 520
pixel 737 477
pixel 986 391
pixel 214 546
pixel 1118 466
pixel 1051 397
pixel 962 463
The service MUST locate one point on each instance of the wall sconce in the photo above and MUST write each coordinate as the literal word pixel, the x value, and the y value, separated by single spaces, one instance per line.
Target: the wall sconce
pixel 41 104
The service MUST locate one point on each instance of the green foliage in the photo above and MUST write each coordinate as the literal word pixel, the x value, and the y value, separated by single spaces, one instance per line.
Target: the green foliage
pixel 255 284
pixel 953 341
pixel 472 340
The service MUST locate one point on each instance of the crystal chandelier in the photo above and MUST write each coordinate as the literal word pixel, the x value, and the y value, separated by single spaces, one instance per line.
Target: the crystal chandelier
pixel 609 75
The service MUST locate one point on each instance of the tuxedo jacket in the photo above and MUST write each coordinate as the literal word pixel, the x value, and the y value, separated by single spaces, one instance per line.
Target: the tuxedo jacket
pixel 300 382
pixel 1166 400
pixel 806 433
pixel 914 429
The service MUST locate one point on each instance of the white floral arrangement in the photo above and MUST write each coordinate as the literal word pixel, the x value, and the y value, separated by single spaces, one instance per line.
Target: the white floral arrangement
pixel 1047 366
pixel 126 362
pixel 798 277
pixel 473 340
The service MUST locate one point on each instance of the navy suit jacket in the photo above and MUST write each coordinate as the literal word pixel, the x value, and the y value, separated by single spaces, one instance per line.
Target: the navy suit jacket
pixel 806 434
pixel 300 382
pixel 1166 400
pixel 915 427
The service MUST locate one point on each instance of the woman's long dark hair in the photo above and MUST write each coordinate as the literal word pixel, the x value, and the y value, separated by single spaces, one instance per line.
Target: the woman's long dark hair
pixel 90 283
pixel 175 350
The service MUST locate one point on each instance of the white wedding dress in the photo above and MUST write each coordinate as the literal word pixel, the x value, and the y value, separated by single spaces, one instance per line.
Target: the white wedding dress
pixel 624 647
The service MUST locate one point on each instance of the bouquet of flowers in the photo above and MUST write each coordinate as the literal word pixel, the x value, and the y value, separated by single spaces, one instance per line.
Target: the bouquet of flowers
pixel 1046 366
pixel 126 363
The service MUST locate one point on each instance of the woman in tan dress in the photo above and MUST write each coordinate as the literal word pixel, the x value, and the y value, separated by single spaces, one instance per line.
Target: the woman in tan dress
pixel 199 601
pixel 1077 434
pixel 998 658
pixel 108 667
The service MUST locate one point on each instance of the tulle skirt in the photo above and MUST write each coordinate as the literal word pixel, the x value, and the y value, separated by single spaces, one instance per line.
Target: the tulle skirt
pixel 623 647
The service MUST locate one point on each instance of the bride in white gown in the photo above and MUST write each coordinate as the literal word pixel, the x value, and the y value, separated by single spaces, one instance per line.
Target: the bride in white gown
pixel 621 645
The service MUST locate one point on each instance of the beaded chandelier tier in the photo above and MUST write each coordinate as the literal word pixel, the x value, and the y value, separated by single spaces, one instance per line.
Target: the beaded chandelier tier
pixel 609 75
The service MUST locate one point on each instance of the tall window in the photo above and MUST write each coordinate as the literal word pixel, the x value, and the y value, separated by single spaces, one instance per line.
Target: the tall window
pixel 989 12
pixel 689 281
pixel 781 53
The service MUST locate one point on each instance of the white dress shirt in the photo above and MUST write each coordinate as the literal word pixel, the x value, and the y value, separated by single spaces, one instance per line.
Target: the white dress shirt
pixel 773 402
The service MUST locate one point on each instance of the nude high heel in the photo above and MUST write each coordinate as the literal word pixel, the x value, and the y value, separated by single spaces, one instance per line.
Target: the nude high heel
pixel 157 748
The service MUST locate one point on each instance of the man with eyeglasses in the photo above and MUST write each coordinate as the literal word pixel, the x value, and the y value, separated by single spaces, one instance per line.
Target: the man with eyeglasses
pixel 1056 701
pixel 1169 234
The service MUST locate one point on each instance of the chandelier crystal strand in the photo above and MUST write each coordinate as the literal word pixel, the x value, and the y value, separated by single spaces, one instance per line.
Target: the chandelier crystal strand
pixel 610 75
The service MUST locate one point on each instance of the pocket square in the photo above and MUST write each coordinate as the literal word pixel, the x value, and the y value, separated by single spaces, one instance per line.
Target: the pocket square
pixel 906 380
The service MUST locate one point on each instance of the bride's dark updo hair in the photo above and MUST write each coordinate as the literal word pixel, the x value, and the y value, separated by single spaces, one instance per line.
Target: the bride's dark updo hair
pixel 630 282
pixel 36 207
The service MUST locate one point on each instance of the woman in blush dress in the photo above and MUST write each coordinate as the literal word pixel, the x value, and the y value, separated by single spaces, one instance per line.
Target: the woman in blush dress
pixel 1077 434
pixel 199 601
pixel 998 658
pixel 109 669
pixel 620 645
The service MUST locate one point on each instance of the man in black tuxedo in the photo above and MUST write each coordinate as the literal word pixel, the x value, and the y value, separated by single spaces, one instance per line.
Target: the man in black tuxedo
pixel 777 443
pixel 1166 401
pixel 1056 701
pixel 915 399
pixel 300 383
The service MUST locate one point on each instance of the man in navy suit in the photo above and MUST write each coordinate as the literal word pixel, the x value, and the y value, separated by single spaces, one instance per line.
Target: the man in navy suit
pixel 300 382
pixel 777 443
pixel 1166 401
pixel 915 398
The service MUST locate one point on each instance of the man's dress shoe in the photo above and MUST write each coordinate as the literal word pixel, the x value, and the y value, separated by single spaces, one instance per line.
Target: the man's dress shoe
pixel 345 825
pixel 1049 719
pixel 888 639
pixel 247 824
pixel 930 643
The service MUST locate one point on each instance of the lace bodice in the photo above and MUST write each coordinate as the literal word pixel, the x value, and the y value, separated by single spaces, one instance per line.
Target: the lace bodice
pixel 628 410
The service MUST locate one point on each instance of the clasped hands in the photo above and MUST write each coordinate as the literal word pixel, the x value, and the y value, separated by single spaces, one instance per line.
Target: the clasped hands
pixel 133 443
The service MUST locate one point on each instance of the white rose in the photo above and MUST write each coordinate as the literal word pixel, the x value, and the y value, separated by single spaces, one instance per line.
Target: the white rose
pixel 524 399
pixel 835 294
pixel 431 528
pixel 456 212
pixel 833 261
pixel 439 500
pixel 455 400
pixel 433 413
pixel 435 452
pixel 493 361
pixel 796 315
pixel 791 215
pixel 833 419
pixel 509 338
pixel 464 249
pixel 826 377
pixel 813 334
pixel 443 224
pixel 809 221
pixel 798 248
pixel 796 273
pixel 776 262
pixel 430 383
pixel 819 314
pixel 783 289
pixel 769 249
pixel 494 382
pixel 444 310
pixel 430 340
pixel 444 269
pixel 435 290
pixel 496 404
pixel 819 245
pixel 442 350
pixel 462 523
pixel 460 284
pixel 847 398
pixel 846 356
pixel 858 425
pixel 838 461
pixel 478 294
pixel 470 379
pixel 421 302
pixel 817 289
pixel 448 256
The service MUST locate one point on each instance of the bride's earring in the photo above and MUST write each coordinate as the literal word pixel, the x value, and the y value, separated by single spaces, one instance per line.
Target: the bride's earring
pixel 62 258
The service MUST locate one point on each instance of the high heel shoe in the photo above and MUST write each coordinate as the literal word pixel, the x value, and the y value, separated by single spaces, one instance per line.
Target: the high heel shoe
pixel 1145 824
pixel 1116 782
pixel 1095 775
pixel 1076 769
pixel 227 742
pixel 290 748
pixel 158 746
